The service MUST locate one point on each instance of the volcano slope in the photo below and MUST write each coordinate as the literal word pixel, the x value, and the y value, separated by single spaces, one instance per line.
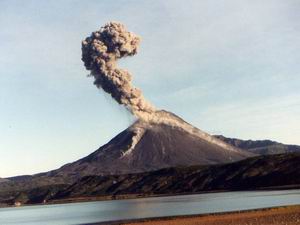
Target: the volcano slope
pixel 167 141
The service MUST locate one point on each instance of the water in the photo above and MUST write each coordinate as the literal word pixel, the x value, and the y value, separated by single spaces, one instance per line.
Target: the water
pixel 89 212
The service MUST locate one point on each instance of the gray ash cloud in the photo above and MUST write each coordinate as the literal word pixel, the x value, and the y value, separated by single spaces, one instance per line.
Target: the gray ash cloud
pixel 100 52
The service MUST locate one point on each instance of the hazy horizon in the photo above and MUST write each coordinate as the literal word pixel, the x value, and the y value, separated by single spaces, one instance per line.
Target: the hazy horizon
pixel 227 67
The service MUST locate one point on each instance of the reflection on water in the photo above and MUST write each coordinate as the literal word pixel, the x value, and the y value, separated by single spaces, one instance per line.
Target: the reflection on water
pixel 89 212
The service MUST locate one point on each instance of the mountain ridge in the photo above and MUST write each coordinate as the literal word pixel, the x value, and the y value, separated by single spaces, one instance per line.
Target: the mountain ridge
pixel 261 147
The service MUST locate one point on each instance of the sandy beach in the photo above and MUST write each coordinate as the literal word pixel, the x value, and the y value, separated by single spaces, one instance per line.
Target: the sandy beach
pixel 276 216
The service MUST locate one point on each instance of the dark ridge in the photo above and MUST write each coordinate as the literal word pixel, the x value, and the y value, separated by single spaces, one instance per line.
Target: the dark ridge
pixel 254 173
pixel 261 147
pixel 20 178
pixel 262 172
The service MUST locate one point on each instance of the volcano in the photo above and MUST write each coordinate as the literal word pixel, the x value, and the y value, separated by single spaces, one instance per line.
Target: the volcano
pixel 167 141
pixel 158 139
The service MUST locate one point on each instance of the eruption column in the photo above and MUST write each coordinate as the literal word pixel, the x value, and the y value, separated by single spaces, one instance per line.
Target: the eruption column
pixel 100 53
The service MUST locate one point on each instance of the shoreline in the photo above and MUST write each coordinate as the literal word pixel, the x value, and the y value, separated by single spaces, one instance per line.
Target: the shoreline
pixel 140 196
pixel 289 215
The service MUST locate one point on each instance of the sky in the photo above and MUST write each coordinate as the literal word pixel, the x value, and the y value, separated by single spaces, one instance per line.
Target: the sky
pixel 228 67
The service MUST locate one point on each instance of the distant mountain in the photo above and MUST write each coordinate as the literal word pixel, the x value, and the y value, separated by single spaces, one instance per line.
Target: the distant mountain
pixel 261 147
pixel 148 146
pixel 263 172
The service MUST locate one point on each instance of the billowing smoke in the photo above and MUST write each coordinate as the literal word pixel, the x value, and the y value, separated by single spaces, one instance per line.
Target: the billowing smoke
pixel 100 53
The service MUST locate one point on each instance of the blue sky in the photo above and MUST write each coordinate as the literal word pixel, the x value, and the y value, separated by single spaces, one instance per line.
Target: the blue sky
pixel 228 67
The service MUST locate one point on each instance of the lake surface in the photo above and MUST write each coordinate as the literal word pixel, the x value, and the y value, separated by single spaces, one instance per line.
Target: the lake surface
pixel 89 212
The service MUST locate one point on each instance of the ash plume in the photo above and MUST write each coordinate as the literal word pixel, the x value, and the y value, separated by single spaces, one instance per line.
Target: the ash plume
pixel 100 52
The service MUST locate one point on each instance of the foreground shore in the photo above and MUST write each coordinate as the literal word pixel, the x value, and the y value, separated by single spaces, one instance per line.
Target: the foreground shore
pixel 289 215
